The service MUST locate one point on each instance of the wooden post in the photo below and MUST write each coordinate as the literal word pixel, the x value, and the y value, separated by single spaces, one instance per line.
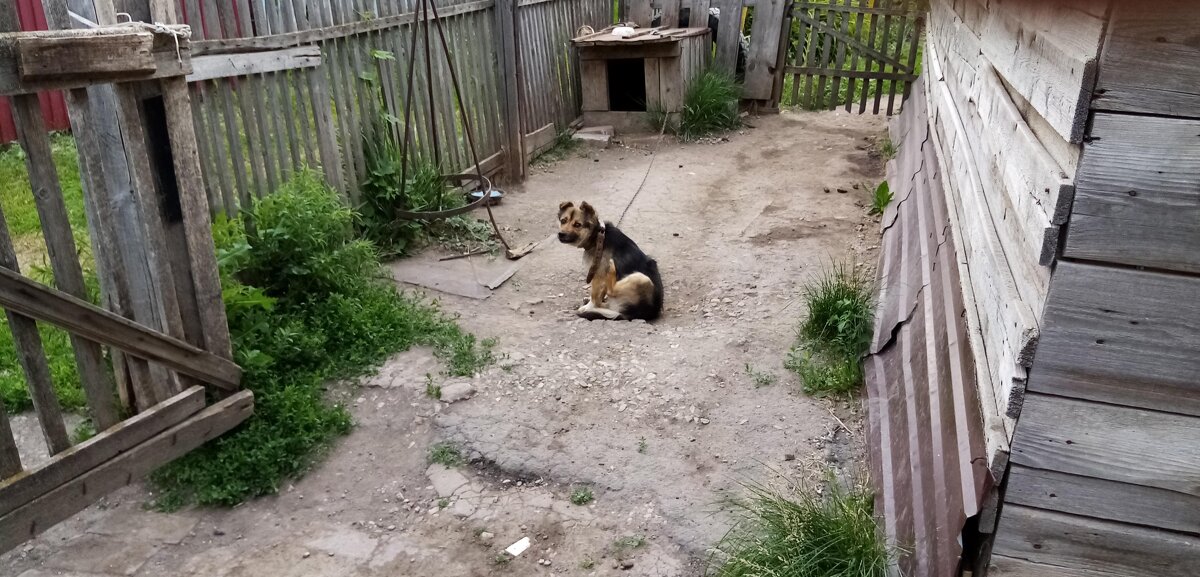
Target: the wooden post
pixel 506 21
pixel 764 49
pixel 670 14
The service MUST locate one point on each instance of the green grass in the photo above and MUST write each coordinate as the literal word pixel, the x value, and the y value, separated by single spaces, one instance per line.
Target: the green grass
pixel 582 496
pixel 24 225
pixel 887 148
pixel 446 454
pixel 443 503
pixel 760 378
pixel 17 196
pixel 836 333
pixel 305 306
pixel 802 532
pixel 709 107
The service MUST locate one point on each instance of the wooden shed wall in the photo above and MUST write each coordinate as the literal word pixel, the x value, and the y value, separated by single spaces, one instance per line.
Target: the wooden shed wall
pixel 1105 478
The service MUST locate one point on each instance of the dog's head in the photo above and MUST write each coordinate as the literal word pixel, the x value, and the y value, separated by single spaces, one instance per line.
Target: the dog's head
pixel 577 225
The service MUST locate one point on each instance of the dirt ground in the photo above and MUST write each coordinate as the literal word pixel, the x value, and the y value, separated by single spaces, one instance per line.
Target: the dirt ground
pixel 661 421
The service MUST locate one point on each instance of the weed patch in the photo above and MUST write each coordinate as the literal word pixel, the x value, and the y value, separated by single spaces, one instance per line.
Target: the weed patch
pixel 887 148
pixel 564 146
pixel 803 531
pixel 424 190
pixel 582 496
pixel 709 107
pixel 305 306
pixel 446 454
pixel 760 378
pixel 881 198
pixel 836 333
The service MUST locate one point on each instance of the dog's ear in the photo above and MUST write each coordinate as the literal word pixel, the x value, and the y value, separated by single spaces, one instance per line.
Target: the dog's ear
pixel 588 211
pixel 564 205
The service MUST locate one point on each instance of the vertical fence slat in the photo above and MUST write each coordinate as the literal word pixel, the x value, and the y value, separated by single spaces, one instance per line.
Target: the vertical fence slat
pixel 883 49
pixel 10 457
pixel 872 31
pixel 225 89
pixel 852 82
pixel 60 246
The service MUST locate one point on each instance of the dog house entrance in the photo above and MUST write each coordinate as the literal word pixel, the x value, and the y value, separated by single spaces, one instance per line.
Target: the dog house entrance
pixel 627 84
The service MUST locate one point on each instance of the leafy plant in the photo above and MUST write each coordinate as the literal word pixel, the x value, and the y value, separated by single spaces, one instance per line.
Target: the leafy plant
pixel 882 198
pixel 431 390
pixel 446 454
pixel 582 496
pixel 710 106
pixel 804 531
pixel 642 445
pixel 305 305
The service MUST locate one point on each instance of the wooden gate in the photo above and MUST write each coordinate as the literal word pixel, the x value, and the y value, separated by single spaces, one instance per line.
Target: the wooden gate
pixel 160 337
pixel 842 52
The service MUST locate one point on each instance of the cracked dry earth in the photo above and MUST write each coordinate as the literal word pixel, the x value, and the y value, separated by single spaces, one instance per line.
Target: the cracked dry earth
pixel 661 421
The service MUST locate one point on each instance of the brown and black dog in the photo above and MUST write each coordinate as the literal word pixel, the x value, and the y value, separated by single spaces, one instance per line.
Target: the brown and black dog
pixel 625 283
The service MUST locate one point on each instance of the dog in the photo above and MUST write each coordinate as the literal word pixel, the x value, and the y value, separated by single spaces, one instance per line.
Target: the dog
pixel 625 284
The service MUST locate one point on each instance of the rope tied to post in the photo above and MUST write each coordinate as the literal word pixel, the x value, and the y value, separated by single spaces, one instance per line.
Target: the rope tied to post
pixel 175 31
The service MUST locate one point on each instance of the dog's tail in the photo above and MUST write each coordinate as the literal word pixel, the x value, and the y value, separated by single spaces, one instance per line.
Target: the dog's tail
pixel 656 301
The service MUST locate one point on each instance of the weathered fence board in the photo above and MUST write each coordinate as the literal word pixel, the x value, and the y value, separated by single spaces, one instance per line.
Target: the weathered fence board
pixel 1102 499
pixel 1074 545
pixel 1123 444
pixel 1109 337
pixel 1137 198
pixel 1149 60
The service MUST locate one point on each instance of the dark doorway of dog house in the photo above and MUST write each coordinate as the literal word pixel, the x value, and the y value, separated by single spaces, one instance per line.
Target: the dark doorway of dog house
pixel 626 85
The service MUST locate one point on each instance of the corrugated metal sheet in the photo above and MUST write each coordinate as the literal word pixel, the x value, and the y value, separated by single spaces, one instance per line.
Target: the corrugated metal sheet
pixel 928 457
pixel 54 108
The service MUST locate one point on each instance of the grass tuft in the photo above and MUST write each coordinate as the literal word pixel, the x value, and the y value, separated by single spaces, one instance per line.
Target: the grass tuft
pixel 803 531
pixel 431 390
pixel 836 333
pixel 887 148
pixel 582 496
pixel 446 454
pixel 305 306
pixel 709 107
pixel 881 198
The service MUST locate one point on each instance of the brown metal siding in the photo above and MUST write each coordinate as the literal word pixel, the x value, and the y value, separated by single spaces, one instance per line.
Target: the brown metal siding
pixel 928 459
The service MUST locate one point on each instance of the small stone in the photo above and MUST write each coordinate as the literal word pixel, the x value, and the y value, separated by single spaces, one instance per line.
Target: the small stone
pixel 306 555
pixel 789 457
pixel 842 191
pixel 457 392
pixel 826 190
pixel 704 421
pixel 218 532
pixel 626 565
pixel 487 536
pixel 331 553
pixel 854 186
pixel 391 527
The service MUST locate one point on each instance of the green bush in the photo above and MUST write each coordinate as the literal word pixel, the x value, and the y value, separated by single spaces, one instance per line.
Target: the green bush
pixel 305 304
pixel 710 106
pixel 804 532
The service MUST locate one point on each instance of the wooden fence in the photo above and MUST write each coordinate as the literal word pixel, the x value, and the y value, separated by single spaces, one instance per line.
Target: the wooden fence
pixel 312 75
pixel 842 52
pixel 160 336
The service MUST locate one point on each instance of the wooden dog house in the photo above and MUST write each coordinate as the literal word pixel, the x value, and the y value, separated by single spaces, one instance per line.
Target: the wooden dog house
pixel 625 78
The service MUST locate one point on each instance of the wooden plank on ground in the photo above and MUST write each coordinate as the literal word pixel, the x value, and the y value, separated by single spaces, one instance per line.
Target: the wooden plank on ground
pixel 1048 52
pixel 1102 499
pixel 28 298
pixel 1121 336
pixel 96 451
pixel 1123 444
pixel 1101 548
pixel 1137 197
pixel 65 500
pixel 1149 60
pixel 226 65
pixel 539 140
pixel 764 49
